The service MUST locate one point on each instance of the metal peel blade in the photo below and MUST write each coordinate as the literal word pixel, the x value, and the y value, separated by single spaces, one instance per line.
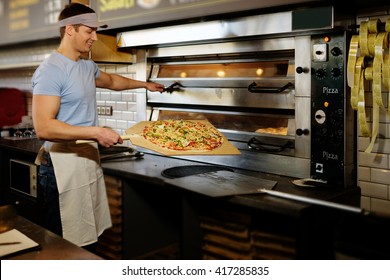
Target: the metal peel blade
pixel 314 201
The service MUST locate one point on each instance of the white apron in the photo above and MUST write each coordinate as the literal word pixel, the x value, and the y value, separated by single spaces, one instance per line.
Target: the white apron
pixel 84 209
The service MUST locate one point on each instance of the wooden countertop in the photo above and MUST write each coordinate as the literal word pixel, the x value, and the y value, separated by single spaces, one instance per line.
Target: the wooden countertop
pixel 52 246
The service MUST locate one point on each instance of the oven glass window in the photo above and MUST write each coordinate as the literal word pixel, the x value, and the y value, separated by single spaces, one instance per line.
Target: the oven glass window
pixel 275 125
pixel 266 69
pixel 20 177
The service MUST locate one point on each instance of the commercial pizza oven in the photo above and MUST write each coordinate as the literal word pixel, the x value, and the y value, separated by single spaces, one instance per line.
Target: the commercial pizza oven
pixel 278 94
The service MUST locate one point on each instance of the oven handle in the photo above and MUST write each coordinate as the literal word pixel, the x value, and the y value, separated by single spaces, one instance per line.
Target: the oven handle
pixel 257 145
pixel 256 89
pixel 173 87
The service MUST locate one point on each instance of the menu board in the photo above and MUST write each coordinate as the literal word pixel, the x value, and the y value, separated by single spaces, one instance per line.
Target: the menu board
pixel 128 13
pixel 29 20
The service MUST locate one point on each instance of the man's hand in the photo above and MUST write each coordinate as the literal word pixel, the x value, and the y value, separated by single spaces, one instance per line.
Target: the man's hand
pixel 108 137
pixel 154 87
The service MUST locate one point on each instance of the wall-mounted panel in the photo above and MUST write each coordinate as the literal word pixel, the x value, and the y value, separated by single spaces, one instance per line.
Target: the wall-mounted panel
pixel 29 20
pixel 121 14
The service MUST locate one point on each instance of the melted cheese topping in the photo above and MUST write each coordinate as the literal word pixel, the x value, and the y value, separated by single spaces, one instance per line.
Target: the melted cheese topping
pixel 183 135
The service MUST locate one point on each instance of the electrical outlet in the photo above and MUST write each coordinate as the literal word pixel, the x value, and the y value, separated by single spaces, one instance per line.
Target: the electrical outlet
pixel 104 110
pixel 108 110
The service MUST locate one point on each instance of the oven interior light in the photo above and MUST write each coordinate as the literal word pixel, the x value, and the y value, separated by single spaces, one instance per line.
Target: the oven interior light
pixel 183 75
pixel 221 73
pixel 326 104
pixel 326 39
pixel 259 71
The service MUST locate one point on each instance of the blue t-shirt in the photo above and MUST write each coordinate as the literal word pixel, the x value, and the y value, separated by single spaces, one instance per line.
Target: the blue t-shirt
pixel 74 83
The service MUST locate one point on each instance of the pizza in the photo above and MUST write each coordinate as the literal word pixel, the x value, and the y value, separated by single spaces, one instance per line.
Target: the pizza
pixel 183 135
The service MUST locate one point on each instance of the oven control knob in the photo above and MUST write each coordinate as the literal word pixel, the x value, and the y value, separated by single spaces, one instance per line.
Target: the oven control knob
pixel 336 72
pixel 301 131
pixel 335 51
pixel 320 116
pixel 320 73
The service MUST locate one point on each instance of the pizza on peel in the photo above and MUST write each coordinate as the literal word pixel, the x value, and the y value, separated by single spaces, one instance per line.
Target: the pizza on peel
pixel 183 135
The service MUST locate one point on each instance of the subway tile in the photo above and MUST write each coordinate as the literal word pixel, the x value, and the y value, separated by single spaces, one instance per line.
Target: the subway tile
pixel 117 115
pixel 128 96
pixel 373 160
pixel 362 143
pixel 388 192
pixel 111 103
pixel 122 69
pixel 381 176
pixel 387 131
pixel 121 124
pixel 101 103
pixel 121 106
pixel 131 106
pixel 111 123
pixel 364 173
pixel 111 69
pixel 374 190
pixel 105 95
pixel 365 203
pixel 127 115
pixel 380 206
pixel 116 96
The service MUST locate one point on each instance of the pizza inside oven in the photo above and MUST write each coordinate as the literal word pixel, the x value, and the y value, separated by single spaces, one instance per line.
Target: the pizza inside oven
pixel 183 135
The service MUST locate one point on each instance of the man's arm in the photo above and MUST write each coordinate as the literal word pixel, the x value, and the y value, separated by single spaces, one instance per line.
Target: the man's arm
pixel 117 82
pixel 47 127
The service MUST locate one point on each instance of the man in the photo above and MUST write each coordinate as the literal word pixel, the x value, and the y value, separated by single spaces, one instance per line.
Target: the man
pixel 64 110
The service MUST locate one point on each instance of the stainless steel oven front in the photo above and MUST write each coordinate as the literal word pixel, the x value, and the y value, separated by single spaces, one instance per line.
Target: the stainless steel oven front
pixel 279 96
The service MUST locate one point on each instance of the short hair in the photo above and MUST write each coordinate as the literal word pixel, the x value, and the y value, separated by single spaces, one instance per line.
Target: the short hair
pixel 70 10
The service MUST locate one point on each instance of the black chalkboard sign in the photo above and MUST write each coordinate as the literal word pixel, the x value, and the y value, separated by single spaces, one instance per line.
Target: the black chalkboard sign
pixel 29 20
pixel 314 18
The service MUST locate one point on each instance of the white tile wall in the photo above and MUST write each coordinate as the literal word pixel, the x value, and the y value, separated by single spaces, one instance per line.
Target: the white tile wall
pixel 123 102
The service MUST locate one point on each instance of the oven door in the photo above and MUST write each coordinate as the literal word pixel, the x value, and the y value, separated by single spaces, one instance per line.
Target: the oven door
pixel 255 74
pixel 23 177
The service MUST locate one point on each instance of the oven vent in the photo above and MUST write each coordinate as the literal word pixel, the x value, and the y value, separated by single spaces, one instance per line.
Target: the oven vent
pixel 277 24
pixel 217 30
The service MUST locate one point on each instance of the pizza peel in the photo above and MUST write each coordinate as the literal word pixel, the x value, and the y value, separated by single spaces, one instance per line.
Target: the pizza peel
pixel 223 183
pixel 124 137
pixel 227 183
pixel 135 135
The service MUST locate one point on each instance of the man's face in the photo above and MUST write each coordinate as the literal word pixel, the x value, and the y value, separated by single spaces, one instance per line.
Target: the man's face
pixel 84 38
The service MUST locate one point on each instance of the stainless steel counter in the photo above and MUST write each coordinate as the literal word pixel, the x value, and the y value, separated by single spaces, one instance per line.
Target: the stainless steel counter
pixel 148 170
